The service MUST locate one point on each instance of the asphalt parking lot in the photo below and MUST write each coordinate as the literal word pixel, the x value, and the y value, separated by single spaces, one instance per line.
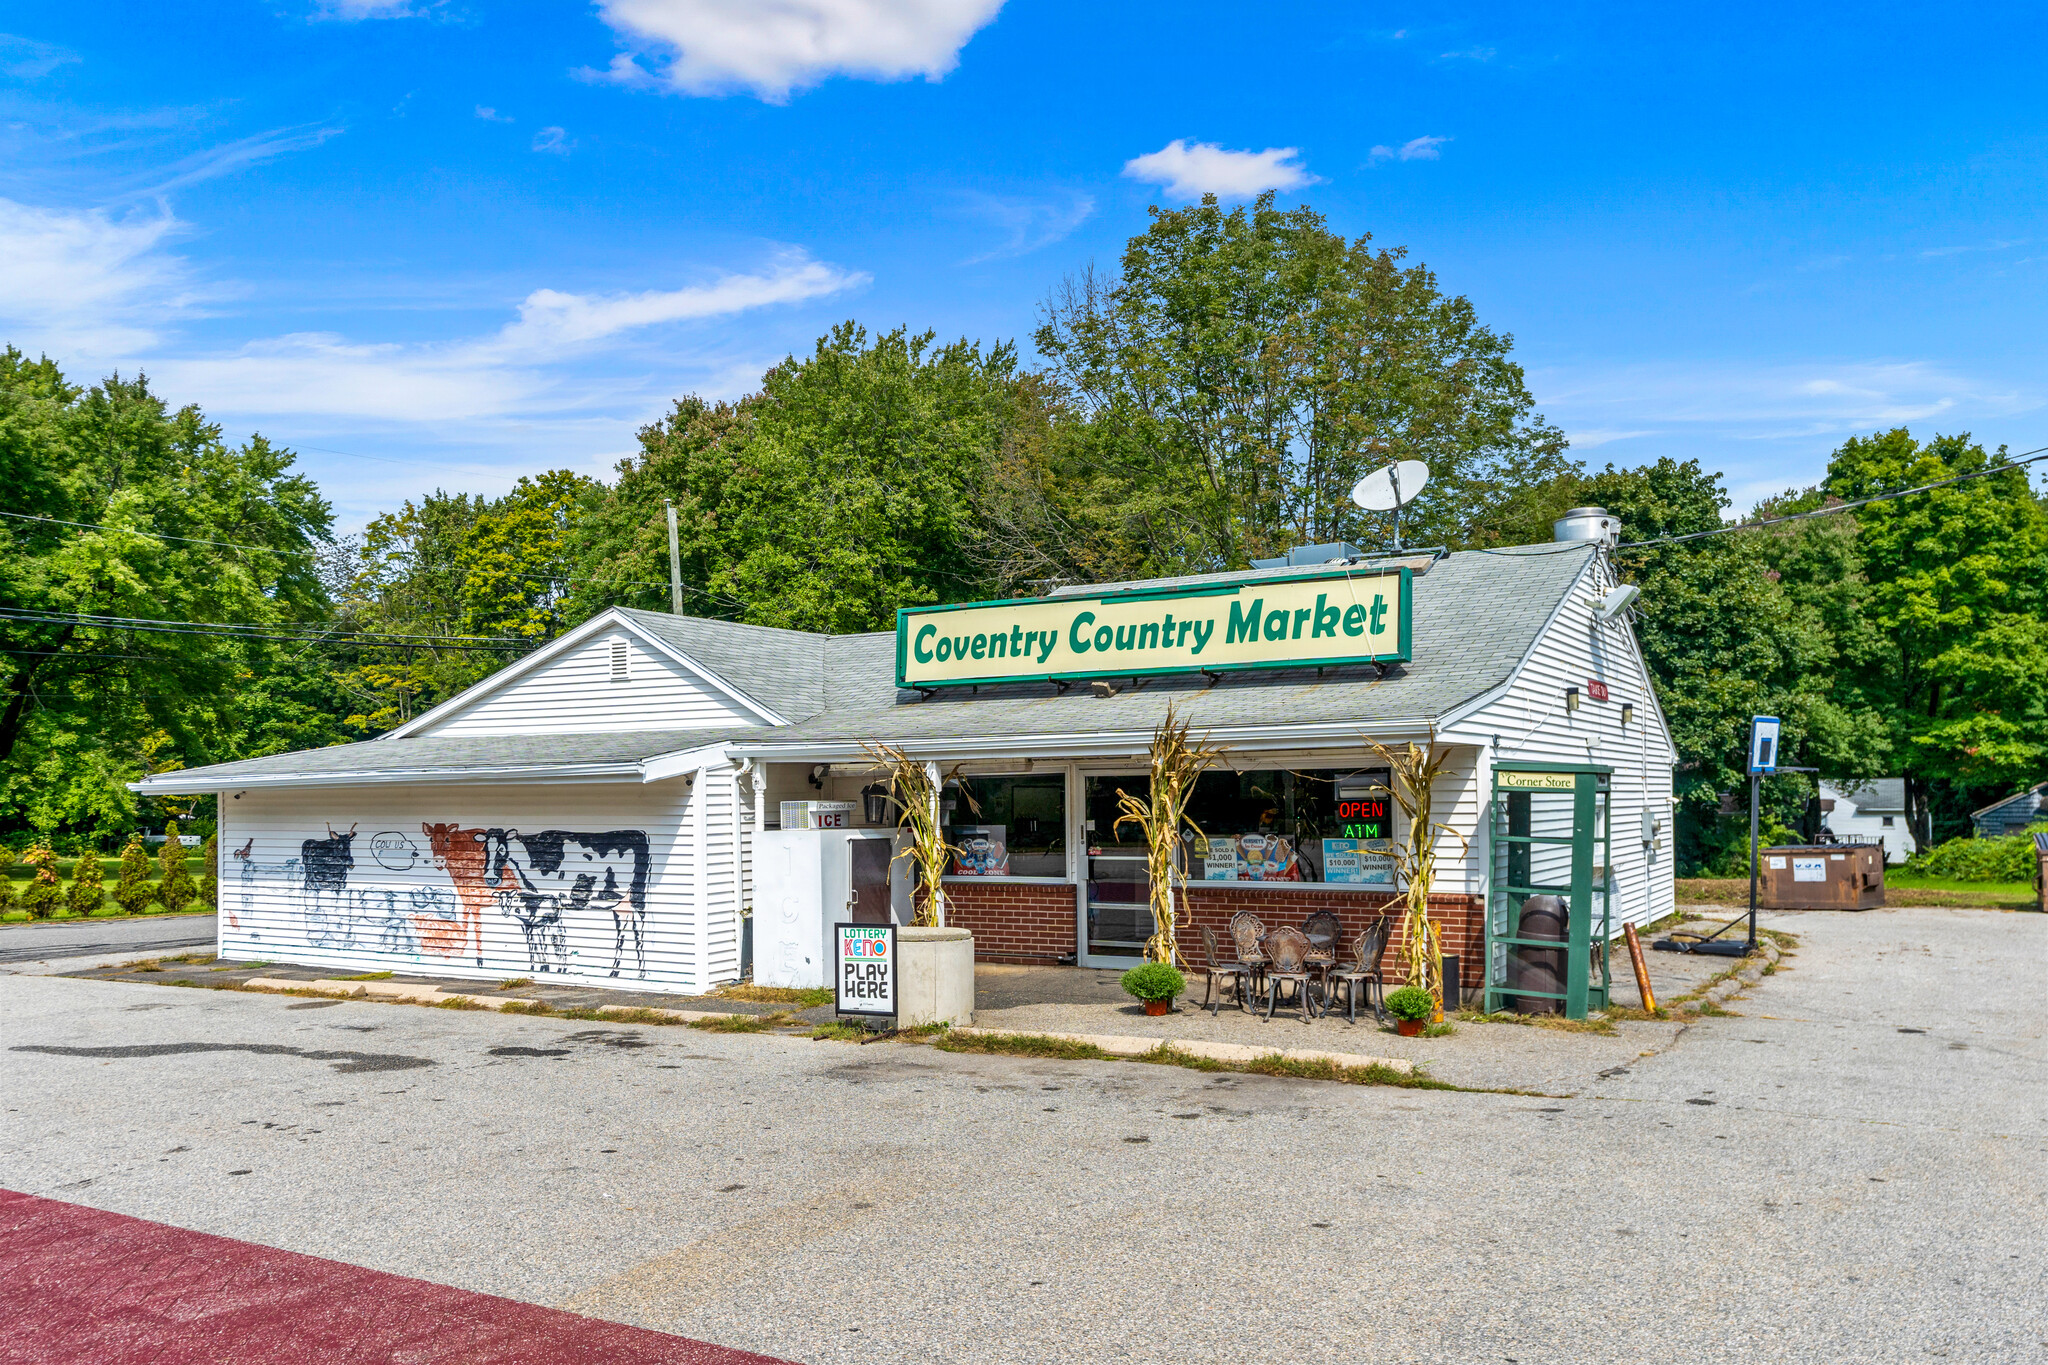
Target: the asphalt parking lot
pixel 1850 1168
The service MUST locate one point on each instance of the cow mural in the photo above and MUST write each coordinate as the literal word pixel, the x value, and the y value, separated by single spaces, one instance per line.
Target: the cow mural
pixel 460 853
pixel 559 873
pixel 253 872
pixel 324 865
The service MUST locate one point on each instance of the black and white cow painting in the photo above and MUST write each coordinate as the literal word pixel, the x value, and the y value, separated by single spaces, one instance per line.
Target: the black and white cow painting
pixel 324 865
pixel 557 874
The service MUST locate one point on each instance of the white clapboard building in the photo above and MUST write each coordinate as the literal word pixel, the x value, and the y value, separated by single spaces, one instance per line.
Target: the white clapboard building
pixel 589 812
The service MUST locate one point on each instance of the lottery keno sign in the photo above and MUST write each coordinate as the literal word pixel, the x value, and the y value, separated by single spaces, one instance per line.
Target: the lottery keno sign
pixel 1315 619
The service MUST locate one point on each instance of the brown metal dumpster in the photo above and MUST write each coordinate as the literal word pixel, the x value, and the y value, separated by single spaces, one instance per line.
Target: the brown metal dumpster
pixel 1822 877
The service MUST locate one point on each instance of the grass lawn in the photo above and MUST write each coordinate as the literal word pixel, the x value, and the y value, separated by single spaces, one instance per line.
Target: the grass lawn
pixel 1899 889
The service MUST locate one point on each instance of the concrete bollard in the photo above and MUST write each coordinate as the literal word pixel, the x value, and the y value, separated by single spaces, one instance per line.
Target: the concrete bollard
pixel 934 976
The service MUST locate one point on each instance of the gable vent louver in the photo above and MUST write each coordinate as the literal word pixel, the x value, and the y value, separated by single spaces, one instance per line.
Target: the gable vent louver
pixel 619 660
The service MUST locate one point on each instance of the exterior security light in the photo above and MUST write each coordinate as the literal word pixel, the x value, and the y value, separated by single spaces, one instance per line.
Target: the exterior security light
pixel 1628 712
pixel 1571 699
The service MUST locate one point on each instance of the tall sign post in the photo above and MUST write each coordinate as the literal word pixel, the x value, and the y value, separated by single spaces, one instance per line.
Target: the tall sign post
pixel 1763 761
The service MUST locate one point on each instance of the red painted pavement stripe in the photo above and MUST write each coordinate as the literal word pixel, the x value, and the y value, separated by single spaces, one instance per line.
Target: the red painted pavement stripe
pixel 80 1285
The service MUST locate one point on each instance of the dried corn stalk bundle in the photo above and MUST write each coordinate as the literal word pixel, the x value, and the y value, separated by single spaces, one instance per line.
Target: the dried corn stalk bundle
pixel 915 787
pixel 1177 762
pixel 1414 772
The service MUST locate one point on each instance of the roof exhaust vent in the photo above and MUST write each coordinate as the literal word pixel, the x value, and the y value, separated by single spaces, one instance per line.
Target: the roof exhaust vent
pixel 1334 553
pixel 1587 526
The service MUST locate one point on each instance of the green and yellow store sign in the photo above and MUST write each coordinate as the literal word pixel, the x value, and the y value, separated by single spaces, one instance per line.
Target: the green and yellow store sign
pixel 1313 620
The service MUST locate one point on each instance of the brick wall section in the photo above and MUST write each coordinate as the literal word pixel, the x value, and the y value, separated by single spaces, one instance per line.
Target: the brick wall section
pixel 1030 925
pixel 1035 924
pixel 1463 919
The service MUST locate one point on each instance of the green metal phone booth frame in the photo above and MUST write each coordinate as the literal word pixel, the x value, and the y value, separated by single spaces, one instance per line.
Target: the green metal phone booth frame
pixel 1512 856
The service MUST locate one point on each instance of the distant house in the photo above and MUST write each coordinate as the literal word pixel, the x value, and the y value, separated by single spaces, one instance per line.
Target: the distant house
pixel 2013 814
pixel 1870 812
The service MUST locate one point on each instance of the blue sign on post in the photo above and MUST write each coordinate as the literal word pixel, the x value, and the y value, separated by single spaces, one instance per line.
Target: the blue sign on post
pixel 1763 746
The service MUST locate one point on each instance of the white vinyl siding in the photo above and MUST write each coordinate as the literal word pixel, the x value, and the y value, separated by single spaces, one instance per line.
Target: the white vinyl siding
pixel 1530 722
pixel 387 912
pixel 613 681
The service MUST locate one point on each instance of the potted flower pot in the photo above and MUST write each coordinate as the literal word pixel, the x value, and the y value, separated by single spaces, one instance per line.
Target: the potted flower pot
pixel 1412 1008
pixel 1155 984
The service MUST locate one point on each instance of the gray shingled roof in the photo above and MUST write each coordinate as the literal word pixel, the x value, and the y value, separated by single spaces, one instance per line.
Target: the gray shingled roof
pixel 1879 794
pixel 1476 615
pixel 781 669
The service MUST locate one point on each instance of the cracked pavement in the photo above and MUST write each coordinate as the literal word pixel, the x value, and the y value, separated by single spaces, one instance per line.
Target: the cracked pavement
pixel 1849 1168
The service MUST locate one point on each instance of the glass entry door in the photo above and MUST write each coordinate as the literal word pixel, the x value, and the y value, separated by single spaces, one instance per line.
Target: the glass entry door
pixel 1116 890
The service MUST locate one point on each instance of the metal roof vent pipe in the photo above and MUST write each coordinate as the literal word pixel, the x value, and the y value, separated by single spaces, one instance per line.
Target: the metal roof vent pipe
pixel 1587 526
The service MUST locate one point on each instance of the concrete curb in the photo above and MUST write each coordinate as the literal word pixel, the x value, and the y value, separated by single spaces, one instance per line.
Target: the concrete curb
pixel 1125 1045
pixel 407 993
pixel 1748 975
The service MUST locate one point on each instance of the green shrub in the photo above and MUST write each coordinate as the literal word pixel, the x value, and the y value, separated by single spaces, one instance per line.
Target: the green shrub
pixel 209 872
pixel 7 905
pixel 88 885
pixel 1411 1002
pixel 2010 859
pixel 42 896
pixel 175 887
pixel 133 891
pixel 1155 981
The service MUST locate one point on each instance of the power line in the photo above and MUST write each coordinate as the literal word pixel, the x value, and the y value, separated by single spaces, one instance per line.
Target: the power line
pixel 2025 457
pixel 275 635
pixel 156 535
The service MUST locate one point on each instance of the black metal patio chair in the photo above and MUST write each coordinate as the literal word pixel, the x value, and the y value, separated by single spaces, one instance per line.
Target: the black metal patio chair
pixel 1221 969
pixel 1362 972
pixel 1287 965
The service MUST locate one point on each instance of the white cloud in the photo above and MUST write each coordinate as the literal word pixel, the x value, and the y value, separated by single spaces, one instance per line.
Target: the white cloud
pixel 25 59
pixel 1191 171
pixel 1772 426
pixel 1414 149
pixel 550 320
pixel 86 281
pixel 352 10
pixel 490 115
pixel 516 371
pixel 554 140
pixel 1028 223
pixel 226 160
pixel 774 47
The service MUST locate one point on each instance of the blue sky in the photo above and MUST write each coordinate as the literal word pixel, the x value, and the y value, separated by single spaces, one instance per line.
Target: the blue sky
pixel 449 243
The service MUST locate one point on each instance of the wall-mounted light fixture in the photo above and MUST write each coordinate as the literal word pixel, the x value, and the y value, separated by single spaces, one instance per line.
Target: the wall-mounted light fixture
pixel 1628 712
pixel 1571 699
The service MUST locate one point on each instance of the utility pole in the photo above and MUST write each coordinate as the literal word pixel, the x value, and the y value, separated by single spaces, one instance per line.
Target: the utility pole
pixel 1754 785
pixel 675 563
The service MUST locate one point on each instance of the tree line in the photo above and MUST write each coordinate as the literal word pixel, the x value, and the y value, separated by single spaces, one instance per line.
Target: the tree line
pixel 167 599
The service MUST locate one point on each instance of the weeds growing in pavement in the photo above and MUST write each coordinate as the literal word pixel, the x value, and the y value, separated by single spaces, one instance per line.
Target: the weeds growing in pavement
pixel 515 983
pixel 1020 1045
pixel 839 1031
pixel 807 997
pixel 366 976
pixel 457 1002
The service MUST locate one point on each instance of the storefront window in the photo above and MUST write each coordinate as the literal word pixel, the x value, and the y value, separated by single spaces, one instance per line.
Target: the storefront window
pixel 1265 825
pixel 1011 826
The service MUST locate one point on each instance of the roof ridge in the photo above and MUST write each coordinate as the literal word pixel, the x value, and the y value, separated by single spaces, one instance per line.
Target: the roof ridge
pixel 642 613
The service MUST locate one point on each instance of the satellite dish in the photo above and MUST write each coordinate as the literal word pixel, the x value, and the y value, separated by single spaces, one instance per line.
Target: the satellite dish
pixel 1387 490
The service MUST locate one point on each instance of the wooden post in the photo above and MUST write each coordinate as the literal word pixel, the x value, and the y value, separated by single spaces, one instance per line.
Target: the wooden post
pixel 1635 955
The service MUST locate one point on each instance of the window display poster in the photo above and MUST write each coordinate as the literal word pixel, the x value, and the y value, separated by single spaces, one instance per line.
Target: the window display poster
pixel 981 851
pixel 1353 863
pixel 1219 859
pixel 1267 858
